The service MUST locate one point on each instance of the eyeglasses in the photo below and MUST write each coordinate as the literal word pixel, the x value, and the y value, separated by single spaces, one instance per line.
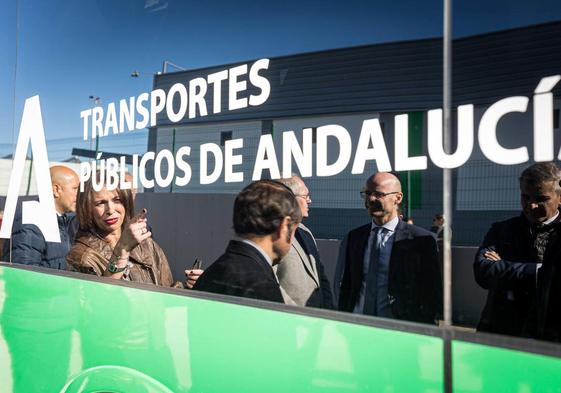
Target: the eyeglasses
pixel 376 194
pixel 307 198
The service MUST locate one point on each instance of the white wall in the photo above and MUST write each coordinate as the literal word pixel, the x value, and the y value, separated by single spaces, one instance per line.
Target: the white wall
pixel 6 170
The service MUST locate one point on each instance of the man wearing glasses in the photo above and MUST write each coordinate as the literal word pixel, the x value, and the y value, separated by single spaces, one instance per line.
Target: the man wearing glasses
pixel 390 268
pixel 301 273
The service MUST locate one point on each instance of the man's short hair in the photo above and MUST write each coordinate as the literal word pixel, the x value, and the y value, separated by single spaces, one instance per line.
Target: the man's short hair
pixel 261 206
pixel 293 182
pixel 542 172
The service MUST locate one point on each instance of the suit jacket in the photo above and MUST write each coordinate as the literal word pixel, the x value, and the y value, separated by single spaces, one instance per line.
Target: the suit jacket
pixel 303 278
pixel 545 320
pixel 511 282
pixel 414 280
pixel 241 271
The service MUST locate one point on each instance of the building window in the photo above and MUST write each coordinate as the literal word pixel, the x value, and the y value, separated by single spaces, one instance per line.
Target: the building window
pixel 225 136
pixel 266 127
pixel 314 133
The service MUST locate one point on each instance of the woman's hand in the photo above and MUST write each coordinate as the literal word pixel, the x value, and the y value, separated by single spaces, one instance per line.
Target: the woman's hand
pixel 133 233
pixel 192 275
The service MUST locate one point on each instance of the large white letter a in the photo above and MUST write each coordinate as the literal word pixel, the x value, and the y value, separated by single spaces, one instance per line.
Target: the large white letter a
pixel 42 213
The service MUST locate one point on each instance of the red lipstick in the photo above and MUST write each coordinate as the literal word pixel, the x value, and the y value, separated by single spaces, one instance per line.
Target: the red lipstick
pixel 111 221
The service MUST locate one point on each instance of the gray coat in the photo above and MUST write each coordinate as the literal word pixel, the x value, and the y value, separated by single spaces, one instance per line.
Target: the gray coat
pixel 303 278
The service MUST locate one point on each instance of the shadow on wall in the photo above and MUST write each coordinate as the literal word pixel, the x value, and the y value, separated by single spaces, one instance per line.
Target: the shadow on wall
pixel 189 226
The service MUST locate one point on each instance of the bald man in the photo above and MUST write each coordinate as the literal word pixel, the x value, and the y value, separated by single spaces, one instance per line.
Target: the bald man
pixel 28 245
pixel 390 268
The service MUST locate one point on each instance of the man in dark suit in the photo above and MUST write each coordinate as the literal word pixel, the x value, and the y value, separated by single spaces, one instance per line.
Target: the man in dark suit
pixel 266 215
pixel 391 268
pixel 512 254
pixel 301 273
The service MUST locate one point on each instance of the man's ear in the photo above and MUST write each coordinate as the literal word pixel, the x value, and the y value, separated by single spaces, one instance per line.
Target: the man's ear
pixel 399 198
pixel 284 228
pixel 56 190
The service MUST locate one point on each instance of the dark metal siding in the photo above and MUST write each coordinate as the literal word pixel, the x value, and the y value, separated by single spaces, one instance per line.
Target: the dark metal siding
pixel 401 76
pixel 493 66
pixel 385 77
pixel 392 77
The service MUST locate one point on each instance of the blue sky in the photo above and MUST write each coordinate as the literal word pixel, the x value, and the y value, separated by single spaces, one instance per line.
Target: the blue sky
pixel 70 49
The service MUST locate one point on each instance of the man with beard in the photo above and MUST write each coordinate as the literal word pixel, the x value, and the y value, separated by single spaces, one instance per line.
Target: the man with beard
pixel 512 253
pixel 391 268
pixel 266 215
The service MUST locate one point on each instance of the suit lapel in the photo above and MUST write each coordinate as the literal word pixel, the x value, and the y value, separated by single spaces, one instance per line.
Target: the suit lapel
pixel 553 243
pixel 401 231
pixel 358 248
pixel 309 261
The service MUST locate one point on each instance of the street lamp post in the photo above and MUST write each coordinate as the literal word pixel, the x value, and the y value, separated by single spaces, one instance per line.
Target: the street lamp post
pixel 96 101
pixel 165 65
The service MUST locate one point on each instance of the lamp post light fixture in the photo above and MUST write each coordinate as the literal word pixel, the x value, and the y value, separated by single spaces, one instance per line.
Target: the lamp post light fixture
pixel 138 74
pixel 96 100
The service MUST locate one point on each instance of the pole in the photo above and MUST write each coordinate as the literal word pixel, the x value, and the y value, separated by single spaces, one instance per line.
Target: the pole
pixel 30 173
pixel 447 173
pixel 409 194
pixel 96 100
pixel 447 195
pixel 173 152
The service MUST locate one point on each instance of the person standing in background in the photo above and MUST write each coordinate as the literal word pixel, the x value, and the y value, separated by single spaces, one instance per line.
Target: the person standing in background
pixel 513 251
pixel 390 268
pixel 28 245
pixel 301 273
pixel 266 215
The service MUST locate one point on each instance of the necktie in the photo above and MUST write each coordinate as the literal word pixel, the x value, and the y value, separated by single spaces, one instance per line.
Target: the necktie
pixel 370 292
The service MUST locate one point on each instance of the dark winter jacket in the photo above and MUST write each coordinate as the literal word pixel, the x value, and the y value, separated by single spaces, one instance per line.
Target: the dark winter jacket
pixel 28 245
pixel 511 282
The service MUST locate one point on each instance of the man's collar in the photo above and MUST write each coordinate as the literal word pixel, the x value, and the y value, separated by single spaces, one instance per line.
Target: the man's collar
pixel 390 225
pixel 550 220
pixel 256 246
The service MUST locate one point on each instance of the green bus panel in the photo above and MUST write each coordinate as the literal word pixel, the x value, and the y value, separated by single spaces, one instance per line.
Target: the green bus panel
pixel 63 334
pixel 482 368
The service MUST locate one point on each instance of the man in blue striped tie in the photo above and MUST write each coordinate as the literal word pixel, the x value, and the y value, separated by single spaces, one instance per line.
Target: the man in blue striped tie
pixel 390 268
